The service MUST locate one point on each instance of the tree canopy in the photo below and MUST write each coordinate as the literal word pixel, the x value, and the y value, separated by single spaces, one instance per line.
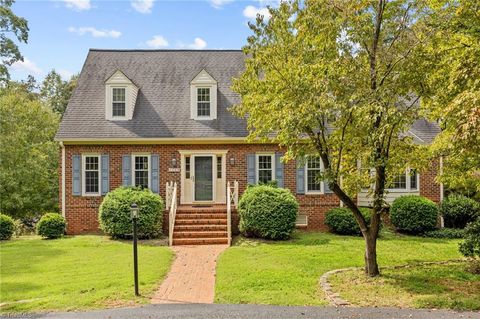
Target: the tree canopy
pixel 341 80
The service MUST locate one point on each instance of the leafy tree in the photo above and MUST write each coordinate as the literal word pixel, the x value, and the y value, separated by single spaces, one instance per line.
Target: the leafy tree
pixel 28 154
pixel 455 94
pixel 10 23
pixel 341 80
pixel 56 92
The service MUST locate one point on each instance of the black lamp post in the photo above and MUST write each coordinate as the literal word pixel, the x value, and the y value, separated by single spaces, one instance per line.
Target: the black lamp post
pixel 134 214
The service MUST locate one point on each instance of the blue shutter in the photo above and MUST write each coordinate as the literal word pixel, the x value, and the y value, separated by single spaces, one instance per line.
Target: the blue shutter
pixel 127 170
pixel 251 173
pixel 105 174
pixel 300 178
pixel 77 175
pixel 279 169
pixel 154 173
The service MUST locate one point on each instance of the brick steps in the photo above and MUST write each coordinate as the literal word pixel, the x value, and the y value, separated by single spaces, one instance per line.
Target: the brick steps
pixel 200 241
pixel 200 226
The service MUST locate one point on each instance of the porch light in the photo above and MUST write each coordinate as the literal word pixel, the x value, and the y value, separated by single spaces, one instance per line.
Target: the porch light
pixel 232 161
pixel 174 162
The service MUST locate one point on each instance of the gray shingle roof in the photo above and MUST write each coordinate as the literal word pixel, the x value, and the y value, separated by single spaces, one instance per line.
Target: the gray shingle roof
pixel 162 109
pixel 163 103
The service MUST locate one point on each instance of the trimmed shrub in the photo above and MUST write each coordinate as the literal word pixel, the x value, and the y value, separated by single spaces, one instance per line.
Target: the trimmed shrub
pixel 341 220
pixel 267 212
pixel 414 214
pixel 114 215
pixel 450 233
pixel 7 227
pixel 51 225
pixel 470 248
pixel 458 211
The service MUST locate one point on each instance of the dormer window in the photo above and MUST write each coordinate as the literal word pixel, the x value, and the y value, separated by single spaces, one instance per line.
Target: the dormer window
pixel 118 102
pixel 203 95
pixel 120 97
pixel 203 102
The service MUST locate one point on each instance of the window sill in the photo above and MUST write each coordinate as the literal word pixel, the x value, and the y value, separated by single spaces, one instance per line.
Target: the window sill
pixel 314 193
pixel 91 195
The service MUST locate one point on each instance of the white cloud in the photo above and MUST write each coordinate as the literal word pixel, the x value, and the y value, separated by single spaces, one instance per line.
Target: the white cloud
pixel 219 3
pixel 27 66
pixel 251 12
pixel 142 6
pixel 65 74
pixel 95 32
pixel 157 41
pixel 78 5
pixel 198 44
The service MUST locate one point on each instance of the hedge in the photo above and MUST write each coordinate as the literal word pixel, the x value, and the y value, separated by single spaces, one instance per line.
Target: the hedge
pixel 267 212
pixel 414 214
pixel 7 227
pixel 51 225
pixel 341 220
pixel 458 211
pixel 114 214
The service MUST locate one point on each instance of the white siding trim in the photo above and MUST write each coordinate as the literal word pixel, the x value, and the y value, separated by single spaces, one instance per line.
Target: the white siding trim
pixel 84 163
pixel 148 155
pixel 257 155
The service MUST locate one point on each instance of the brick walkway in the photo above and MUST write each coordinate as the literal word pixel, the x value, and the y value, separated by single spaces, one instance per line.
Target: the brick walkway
pixel 192 277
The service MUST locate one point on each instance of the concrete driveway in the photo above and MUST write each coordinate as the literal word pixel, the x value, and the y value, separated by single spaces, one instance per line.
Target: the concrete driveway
pixel 217 311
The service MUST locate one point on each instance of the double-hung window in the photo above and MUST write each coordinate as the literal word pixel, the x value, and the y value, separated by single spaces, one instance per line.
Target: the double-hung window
pixel 265 168
pixel 313 169
pixel 203 102
pixel 91 175
pixel 141 170
pixel 399 182
pixel 407 181
pixel 118 102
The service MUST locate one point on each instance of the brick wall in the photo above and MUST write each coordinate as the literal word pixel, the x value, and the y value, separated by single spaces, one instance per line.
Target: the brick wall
pixel 82 212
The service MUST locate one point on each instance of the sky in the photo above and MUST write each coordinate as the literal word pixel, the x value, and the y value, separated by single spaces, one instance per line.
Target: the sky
pixel 62 31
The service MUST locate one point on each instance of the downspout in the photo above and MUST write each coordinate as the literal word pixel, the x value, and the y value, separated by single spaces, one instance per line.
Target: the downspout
pixel 442 224
pixel 63 179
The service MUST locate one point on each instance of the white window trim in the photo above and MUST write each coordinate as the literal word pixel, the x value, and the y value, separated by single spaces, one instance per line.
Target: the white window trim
pixel 203 80
pixel 84 163
pixel 148 155
pixel 407 189
pixel 257 175
pixel 114 118
pixel 210 91
pixel 322 184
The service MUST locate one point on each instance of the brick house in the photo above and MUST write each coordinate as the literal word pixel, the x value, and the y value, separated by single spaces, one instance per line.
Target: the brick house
pixel 150 117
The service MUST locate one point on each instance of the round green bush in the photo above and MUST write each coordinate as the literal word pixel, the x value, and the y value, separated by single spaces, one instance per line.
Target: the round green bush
pixel 458 211
pixel 470 248
pixel 267 212
pixel 114 215
pixel 414 214
pixel 7 227
pixel 51 225
pixel 341 220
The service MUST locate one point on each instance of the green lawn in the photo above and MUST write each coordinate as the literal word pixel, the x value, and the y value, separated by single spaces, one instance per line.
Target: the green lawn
pixel 433 286
pixel 76 273
pixel 287 273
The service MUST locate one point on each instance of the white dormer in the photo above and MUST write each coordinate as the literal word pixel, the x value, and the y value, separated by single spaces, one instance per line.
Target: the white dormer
pixel 203 97
pixel 120 97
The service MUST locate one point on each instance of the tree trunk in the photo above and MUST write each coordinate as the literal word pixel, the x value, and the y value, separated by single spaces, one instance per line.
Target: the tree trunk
pixel 371 266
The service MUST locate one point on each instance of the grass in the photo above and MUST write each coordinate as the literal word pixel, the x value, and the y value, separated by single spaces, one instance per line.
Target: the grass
pixel 74 273
pixel 287 273
pixel 434 286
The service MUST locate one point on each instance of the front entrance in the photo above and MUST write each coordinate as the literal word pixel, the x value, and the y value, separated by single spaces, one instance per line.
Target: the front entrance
pixel 203 178
pixel 203 174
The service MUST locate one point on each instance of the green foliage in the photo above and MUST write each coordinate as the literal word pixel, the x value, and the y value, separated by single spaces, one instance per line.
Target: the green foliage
pixel 51 226
pixel 56 92
pixel 341 220
pixel 267 212
pixel 7 227
pixel 114 215
pixel 450 233
pixel 414 214
pixel 458 211
pixel 29 156
pixel 471 246
pixel 10 23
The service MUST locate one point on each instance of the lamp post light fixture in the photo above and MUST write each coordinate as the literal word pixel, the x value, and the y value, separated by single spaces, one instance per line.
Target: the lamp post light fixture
pixel 134 210
pixel 174 162
pixel 232 161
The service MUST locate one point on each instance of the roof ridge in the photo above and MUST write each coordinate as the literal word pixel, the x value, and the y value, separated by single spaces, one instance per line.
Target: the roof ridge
pixel 164 50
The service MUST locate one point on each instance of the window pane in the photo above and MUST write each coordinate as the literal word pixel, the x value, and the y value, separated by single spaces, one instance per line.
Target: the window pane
pixel 413 179
pixel 219 167
pixel 313 170
pixel 118 94
pixel 118 109
pixel 141 162
pixel 141 179
pixel 264 176
pixel 203 102
pixel 265 162
pixel 187 167
pixel 203 109
pixel 91 174
pixel 400 182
